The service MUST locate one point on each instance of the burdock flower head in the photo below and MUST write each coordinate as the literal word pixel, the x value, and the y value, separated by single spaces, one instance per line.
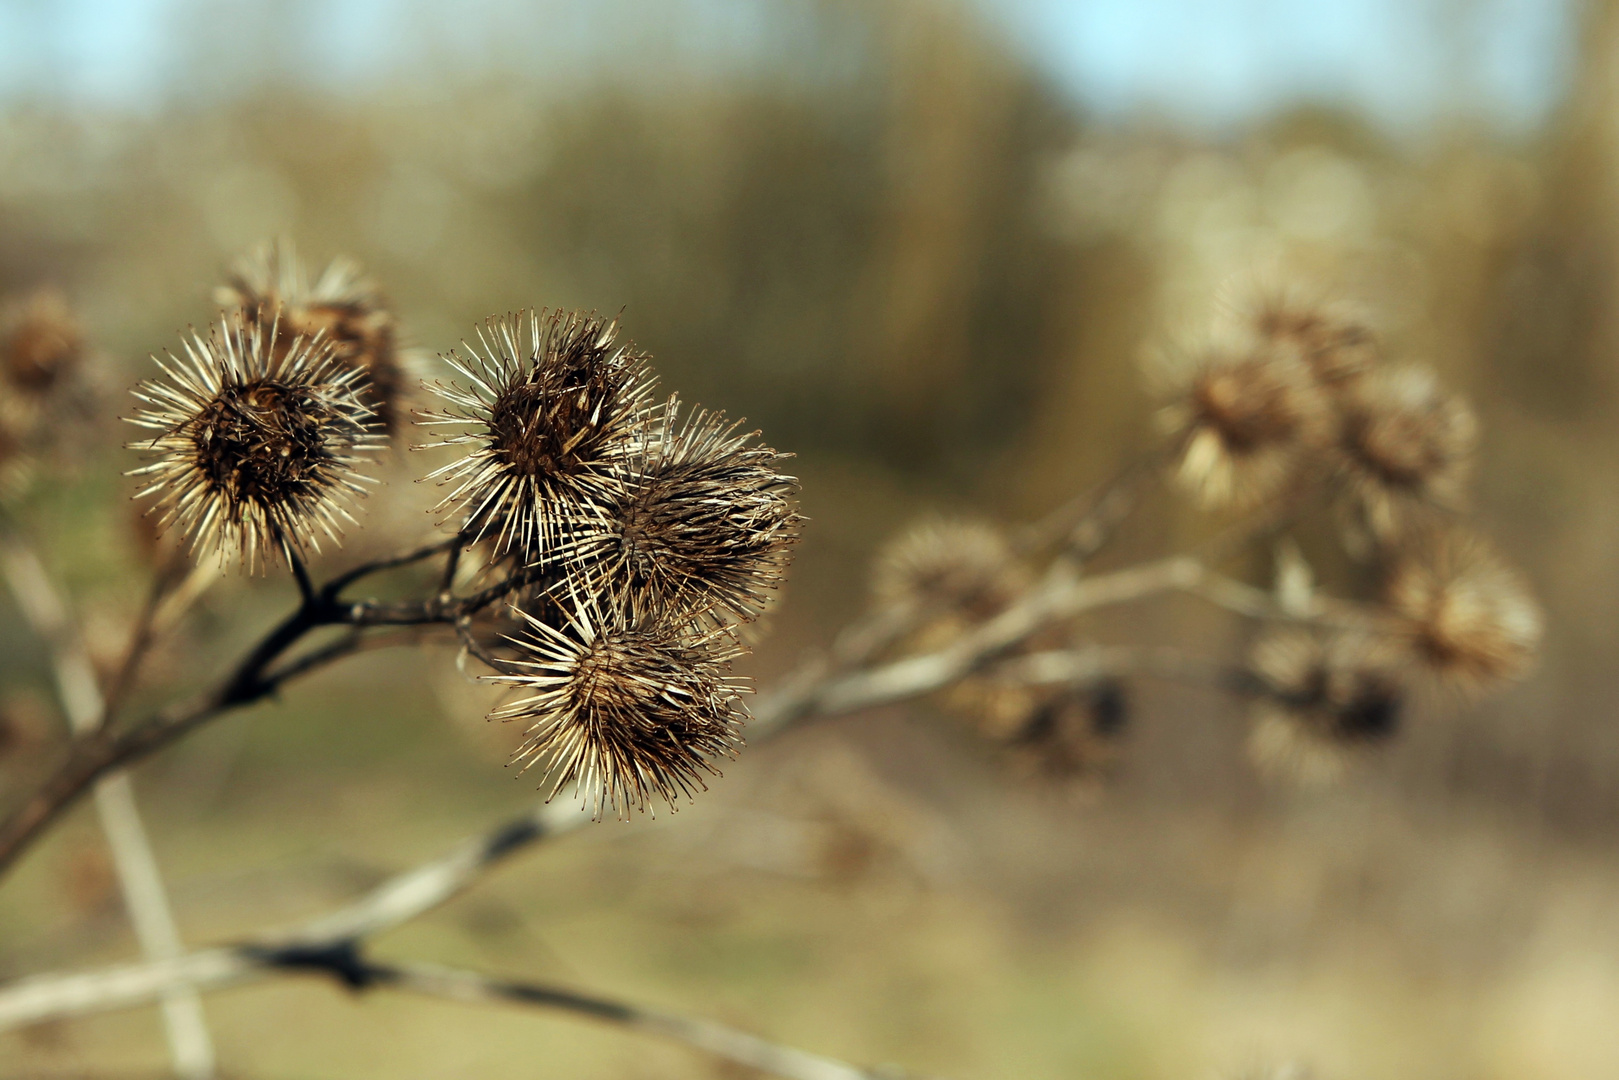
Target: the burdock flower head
pixel 256 448
pixel 551 410
pixel 1321 697
pixel 1407 443
pixel 1075 734
pixel 703 526
pixel 627 713
pixel 41 350
pixel 1243 424
pixel 949 565
pixel 268 287
pixel 39 342
pixel 1338 346
pixel 1466 613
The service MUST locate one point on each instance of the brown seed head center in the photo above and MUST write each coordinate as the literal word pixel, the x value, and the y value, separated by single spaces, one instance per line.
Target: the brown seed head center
pixel 1246 408
pixel 1398 448
pixel 601 677
pixel 261 441
pixel 1351 702
pixel 1455 627
pixel 38 352
pixel 641 538
pixel 537 432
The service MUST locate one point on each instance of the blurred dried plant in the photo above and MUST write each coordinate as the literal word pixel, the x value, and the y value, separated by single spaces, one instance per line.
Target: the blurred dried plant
pixel 604 552
pixel 42 353
pixel 1288 411
pixel 269 289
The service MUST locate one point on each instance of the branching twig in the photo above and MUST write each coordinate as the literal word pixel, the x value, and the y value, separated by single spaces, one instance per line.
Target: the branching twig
pixel 142 635
pixel 190 1045
pixel 816 690
pixel 717 1039
pixel 34 1000
pixel 1081 667
pixel 300 574
pixel 95 753
pixel 393 562
pixel 425 887
pixel 351 643
pixel 1083 526
pixel 1060 595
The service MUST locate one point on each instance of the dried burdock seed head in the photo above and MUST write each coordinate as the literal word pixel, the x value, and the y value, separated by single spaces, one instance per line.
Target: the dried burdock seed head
pixel 1466 613
pixel 1075 735
pixel 551 411
pixel 1338 346
pixel 1243 425
pixel 951 566
pixel 268 287
pixel 1322 697
pixel 998 709
pixel 41 350
pixel 704 525
pixel 254 447
pixel 629 715
pixel 1407 444
pixel 39 342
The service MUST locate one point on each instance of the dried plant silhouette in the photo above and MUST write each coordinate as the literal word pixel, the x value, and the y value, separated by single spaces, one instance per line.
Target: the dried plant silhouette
pixel 601 553
pixel 258 442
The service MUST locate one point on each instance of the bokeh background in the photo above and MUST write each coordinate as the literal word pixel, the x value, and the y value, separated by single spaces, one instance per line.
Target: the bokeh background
pixel 923 244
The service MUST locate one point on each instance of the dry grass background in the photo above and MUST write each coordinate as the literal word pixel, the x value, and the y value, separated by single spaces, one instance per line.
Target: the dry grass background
pixel 901 254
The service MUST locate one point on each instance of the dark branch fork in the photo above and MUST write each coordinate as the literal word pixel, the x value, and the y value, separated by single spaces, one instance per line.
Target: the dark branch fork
pixel 846 684
pixel 559 420
pixel 850 679
pixel 346 963
pixel 255 677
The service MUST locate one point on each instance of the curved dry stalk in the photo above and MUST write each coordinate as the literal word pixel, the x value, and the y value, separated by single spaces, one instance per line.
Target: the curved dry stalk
pixel 815 690
pixel 34 1000
pixel 425 887
pixel 1060 595
pixel 1085 666
pixel 94 753
pixel 169 588
pixel 724 1042
pixel 1081 527
pixel 140 880
pixel 398 900
pixel 819 687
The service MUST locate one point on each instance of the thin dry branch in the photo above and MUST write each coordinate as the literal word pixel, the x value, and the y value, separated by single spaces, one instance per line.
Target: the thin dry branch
pixel 419 890
pixel 1085 666
pixel 724 1042
pixel 1061 594
pixel 1086 523
pixel 141 882
pixel 37 999
pixel 398 900
pixel 94 753
pixel 816 690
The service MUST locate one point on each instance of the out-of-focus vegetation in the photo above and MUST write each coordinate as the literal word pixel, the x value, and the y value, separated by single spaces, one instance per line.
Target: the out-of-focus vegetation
pixel 909 260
